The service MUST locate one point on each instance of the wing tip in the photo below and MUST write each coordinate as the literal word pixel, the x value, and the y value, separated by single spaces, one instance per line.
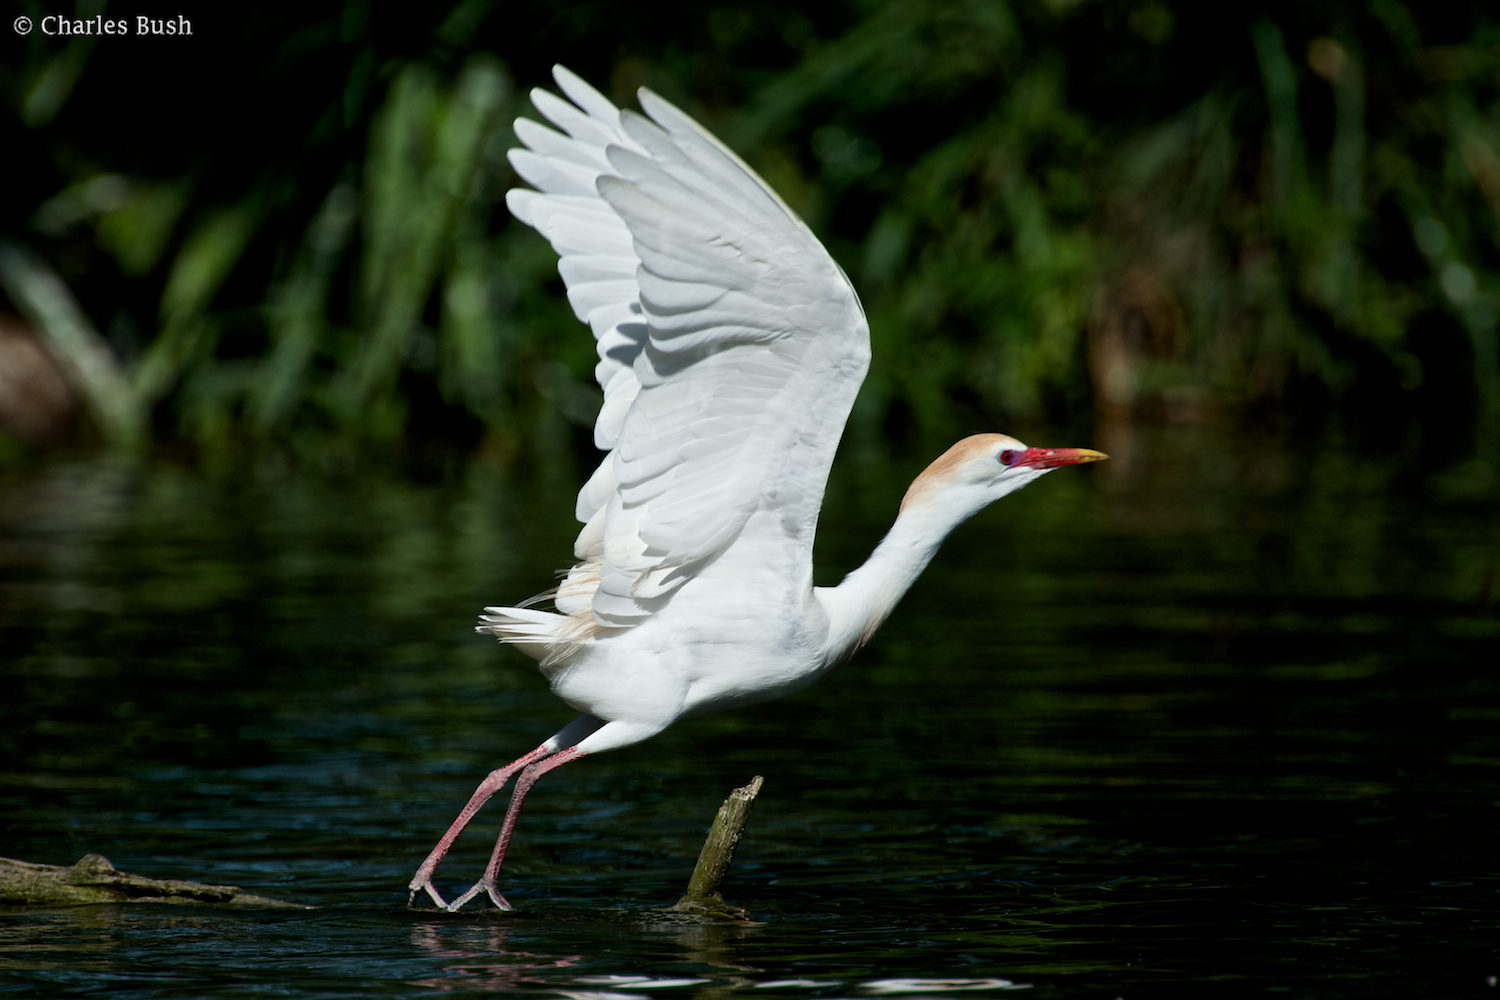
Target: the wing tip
pixel 519 200
pixel 586 96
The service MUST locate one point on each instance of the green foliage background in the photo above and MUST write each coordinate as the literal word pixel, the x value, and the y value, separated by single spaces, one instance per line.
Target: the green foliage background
pixel 289 228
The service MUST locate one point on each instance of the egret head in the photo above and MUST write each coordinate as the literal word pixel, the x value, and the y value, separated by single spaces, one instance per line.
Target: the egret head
pixel 985 467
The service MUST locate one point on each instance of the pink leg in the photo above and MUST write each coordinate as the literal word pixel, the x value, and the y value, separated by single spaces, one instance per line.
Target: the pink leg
pixel 508 828
pixel 487 788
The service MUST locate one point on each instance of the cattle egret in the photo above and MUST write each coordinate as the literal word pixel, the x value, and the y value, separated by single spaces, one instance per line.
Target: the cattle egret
pixel 730 348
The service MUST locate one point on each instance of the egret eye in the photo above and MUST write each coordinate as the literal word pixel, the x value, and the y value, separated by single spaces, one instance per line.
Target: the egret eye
pixel 1007 456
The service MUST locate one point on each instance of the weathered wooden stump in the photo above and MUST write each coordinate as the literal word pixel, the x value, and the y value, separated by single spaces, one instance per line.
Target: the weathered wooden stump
pixel 703 897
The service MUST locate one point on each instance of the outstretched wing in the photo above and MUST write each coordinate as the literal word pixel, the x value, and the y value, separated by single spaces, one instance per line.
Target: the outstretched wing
pixel 730 344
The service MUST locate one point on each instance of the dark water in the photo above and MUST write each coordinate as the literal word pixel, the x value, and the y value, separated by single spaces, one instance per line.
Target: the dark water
pixel 1221 720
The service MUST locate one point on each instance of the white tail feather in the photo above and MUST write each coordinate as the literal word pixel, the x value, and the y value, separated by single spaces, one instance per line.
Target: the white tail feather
pixel 546 637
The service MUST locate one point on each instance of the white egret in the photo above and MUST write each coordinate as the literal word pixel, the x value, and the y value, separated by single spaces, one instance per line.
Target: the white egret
pixel 730 348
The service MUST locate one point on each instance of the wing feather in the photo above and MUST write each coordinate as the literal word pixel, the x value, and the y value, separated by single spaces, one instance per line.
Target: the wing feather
pixel 730 344
pixel 547 143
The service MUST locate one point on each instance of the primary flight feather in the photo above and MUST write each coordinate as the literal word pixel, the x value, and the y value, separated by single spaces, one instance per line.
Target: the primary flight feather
pixel 731 347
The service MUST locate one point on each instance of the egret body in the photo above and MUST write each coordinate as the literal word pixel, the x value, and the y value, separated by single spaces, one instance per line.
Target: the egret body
pixel 731 347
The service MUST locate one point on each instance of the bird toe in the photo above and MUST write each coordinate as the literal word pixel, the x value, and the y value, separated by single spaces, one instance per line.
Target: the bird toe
pixel 485 886
pixel 416 887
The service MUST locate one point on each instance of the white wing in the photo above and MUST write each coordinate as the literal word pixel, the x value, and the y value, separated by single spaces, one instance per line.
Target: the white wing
pixel 730 343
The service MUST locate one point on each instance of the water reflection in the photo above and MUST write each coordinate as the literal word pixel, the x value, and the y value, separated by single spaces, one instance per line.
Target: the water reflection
pixel 1227 718
pixel 476 958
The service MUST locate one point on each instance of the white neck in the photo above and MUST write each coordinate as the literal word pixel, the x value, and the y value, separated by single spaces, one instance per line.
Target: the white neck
pixel 858 605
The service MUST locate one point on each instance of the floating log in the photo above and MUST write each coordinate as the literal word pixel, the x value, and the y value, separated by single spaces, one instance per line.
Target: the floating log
pixel 94 880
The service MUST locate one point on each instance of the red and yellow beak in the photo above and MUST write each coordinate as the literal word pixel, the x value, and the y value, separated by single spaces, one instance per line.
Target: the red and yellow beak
pixel 1052 458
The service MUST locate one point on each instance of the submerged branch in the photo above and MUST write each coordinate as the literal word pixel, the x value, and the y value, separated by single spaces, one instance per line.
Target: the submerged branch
pixel 94 880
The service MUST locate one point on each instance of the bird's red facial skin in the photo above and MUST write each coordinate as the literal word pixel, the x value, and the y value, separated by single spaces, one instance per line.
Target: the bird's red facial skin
pixel 1052 458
